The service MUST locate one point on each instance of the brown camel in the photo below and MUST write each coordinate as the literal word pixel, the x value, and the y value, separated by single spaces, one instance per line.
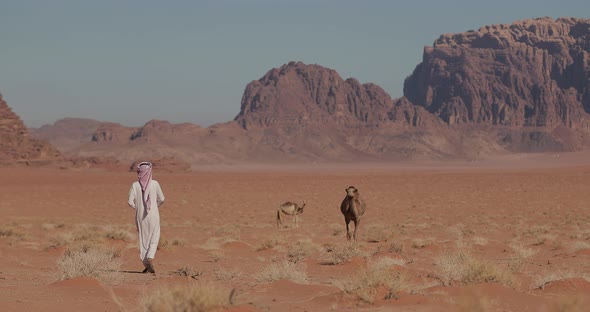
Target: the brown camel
pixel 291 209
pixel 352 207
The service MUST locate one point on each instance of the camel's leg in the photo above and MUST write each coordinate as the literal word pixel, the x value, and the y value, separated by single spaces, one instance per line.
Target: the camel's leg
pixel 296 221
pixel 279 218
pixel 347 228
pixel 357 222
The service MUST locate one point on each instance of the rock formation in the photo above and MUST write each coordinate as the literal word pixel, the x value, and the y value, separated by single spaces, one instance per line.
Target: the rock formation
pixel 15 143
pixel 532 73
pixel 504 88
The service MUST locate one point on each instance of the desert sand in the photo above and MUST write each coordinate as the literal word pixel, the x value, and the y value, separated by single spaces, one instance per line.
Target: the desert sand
pixel 509 234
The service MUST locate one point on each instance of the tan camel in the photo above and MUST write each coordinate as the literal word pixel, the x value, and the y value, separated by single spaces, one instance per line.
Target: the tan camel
pixel 353 207
pixel 291 209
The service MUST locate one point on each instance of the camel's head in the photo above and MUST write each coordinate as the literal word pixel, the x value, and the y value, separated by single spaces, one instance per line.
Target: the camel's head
pixel 300 209
pixel 351 191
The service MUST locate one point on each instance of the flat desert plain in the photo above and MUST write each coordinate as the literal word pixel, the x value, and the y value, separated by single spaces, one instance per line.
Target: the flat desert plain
pixel 511 234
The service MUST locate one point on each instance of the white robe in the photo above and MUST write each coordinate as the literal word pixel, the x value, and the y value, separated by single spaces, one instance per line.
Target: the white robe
pixel 148 224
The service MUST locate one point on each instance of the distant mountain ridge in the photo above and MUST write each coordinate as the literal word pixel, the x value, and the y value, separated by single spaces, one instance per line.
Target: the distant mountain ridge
pixel 521 87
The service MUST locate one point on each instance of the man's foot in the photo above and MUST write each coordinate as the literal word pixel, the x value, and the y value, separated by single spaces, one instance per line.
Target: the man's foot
pixel 144 270
pixel 149 267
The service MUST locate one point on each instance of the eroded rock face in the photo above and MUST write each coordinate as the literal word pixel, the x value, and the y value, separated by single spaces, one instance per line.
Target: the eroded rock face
pixel 532 73
pixel 302 94
pixel 15 143
pixel 113 133
pixel 301 111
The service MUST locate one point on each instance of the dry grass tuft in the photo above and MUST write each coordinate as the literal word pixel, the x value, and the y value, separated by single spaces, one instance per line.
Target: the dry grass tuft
pixel 420 243
pixel 200 297
pixel 378 233
pixel 367 282
pixel 229 232
pixel 100 263
pixel 216 255
pixel 188 272
pixel 267 244
pixel 387 262
pixel 226 275
pixel 86 236
pixel 340 254
pixel 118 234
pixel 521 255
pixel 543 280
pixel 283 270
pixel 300 249
pixel 165 244
pixel 396 247
pixel 460 267
pixel 337 229
pixel 11 231
pixel 52 226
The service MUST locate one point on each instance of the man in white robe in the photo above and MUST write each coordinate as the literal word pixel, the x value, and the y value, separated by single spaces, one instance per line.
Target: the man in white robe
pixel 146 196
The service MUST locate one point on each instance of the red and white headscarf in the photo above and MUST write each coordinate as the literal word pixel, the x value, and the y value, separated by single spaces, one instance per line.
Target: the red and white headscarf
pixel 144 176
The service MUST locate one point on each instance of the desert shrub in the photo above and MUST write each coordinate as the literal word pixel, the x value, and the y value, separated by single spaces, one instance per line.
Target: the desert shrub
pixel 11 231
pixel 230 232
pixel 118 234
pixel 283 270
pixel 100 263
pixel 337 229
pixel 387 262
pixel 299 250
pixel 396 247
pixel 192 298
pixel 366 283
pixel 188 272
pixel 378 233
pixel 52 226
pixel 419 243
pixel 461 267
pixel 522 253
pixel 340 254
pixel 77 239
pixel 216 255
pixel 225 275
pixel 267 244
pixel 165 244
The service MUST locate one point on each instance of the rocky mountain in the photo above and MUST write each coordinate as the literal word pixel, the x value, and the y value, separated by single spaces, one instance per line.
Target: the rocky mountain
pixel 529 74
pixel 503 88
pixel 15 143
pixel 67 133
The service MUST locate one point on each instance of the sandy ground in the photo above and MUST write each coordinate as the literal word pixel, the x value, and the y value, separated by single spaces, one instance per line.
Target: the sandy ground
pixel 512 234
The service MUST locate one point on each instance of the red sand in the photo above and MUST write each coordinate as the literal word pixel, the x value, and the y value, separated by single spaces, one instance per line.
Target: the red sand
pixel 219 223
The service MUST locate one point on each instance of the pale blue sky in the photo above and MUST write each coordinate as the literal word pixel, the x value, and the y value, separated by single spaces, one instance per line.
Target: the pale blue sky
pixel 189 61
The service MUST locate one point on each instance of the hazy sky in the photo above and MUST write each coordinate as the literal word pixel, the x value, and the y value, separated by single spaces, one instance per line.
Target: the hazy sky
pixel 189 61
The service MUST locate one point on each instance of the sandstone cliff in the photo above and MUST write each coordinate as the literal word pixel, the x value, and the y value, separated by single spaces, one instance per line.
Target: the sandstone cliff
pixel 15 143
pixel 532 73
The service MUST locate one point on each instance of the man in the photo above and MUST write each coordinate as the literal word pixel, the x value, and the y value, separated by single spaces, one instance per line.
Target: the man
pixel 145 197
